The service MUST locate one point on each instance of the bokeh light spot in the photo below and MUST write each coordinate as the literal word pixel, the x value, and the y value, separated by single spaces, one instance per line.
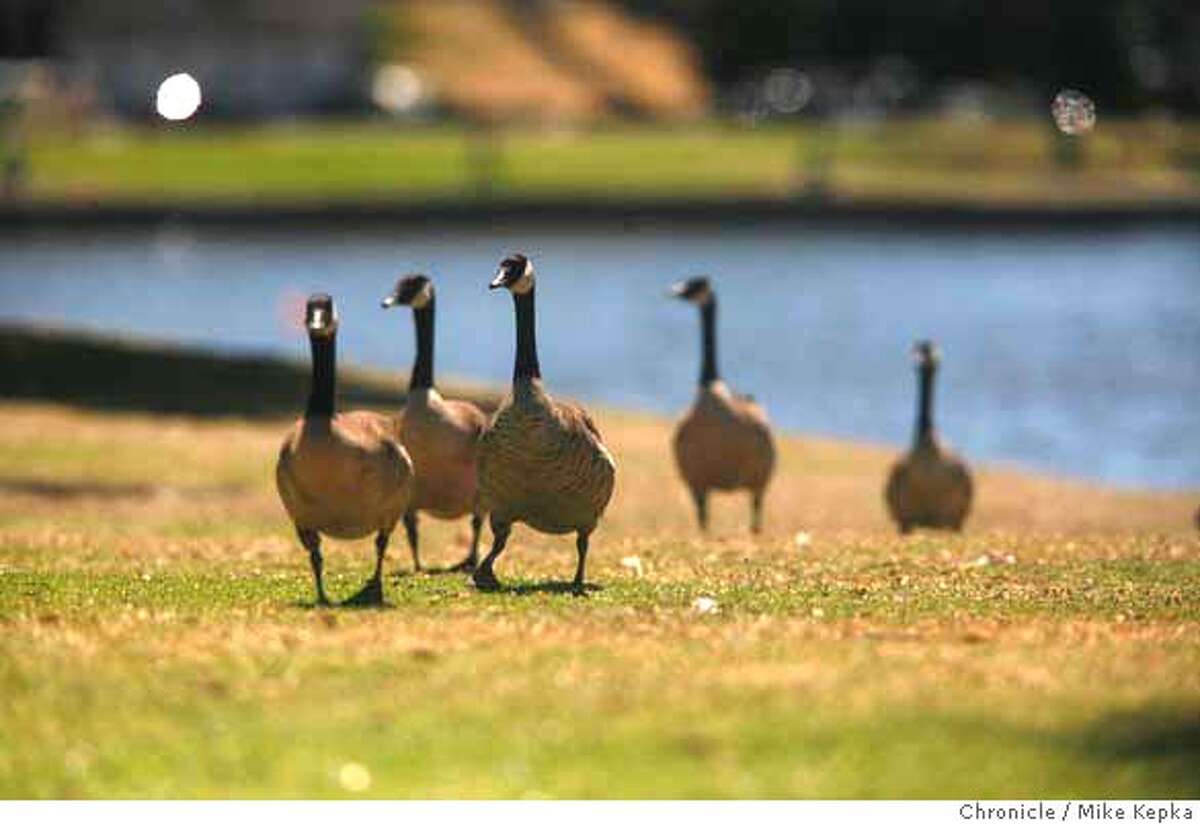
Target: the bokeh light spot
pixel 354 777
pixel 1074 113
pixel 396 88
pixel 787 91
pixel 178 97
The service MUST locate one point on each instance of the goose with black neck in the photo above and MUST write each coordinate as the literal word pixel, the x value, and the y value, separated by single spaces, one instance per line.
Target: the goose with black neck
pixel 542 462
pixel 343 475
pixel 930 486
pixel 441 435
pixel 723 442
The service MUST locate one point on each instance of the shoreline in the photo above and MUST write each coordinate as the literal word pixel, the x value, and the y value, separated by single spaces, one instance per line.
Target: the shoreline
pixel 569 212
pixel 133 375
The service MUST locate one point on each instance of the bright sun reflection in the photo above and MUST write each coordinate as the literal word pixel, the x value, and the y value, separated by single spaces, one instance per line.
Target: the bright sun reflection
pixel 178 97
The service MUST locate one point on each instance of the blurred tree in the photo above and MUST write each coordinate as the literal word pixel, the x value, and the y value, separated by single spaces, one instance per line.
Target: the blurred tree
pixel 1127 53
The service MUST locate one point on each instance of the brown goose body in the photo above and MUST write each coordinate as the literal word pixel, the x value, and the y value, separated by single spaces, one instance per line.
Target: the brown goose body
pixel 929 487
pixel 442 437
pixel 542 462
pixel 345 477
pixel 724 442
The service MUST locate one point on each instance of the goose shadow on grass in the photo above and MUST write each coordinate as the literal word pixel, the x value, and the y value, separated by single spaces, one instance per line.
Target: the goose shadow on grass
pixel 549 586
pixel 402 574
pixel 346 604
pixel 518 589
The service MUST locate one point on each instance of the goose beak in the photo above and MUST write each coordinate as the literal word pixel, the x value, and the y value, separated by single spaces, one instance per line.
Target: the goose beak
pixel 498 281
pixel 677 289
pixel 390 301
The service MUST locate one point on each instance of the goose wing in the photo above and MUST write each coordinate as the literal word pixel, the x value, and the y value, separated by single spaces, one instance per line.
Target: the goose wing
pixel 576 417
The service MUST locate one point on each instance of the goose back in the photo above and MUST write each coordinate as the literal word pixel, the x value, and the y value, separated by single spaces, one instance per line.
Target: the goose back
pixel 724 442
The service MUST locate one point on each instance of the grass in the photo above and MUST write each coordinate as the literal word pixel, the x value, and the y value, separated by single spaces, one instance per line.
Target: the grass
pixel 157 634
pixel 922 159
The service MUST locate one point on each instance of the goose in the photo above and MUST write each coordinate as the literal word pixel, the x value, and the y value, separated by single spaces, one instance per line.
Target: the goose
pixel 724 440
pixel 930 486
pixel 441 435
pixel 343 475
pixel 541 461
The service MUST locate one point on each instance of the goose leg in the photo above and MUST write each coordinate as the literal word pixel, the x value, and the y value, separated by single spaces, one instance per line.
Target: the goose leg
pixel 756 505
pixel 701 499
pixel 372 591
pixel 311 540
pixel 468 564
pixel 581 546
pixel 483 577
pixel 410 530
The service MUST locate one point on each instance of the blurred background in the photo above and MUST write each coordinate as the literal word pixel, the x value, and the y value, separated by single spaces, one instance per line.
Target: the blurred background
pixel 1018 179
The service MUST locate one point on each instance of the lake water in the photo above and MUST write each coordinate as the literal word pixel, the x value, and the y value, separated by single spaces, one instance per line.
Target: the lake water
pixel 1074 352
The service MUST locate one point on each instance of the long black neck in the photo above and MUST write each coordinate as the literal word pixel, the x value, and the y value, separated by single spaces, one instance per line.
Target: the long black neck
pixel 526 365
pixel 324 377
pixel 422 371
pixel 708 336
pixel 925 405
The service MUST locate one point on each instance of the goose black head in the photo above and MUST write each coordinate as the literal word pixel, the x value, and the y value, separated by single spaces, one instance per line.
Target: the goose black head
pixel 515 274
pixel 697 290
pixel 926 354
pixel 320 315
pixel 414 290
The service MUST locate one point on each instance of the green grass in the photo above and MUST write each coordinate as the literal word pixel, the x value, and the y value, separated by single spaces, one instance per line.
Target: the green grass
pixel 919 159
pixel 210 685
pixel 157 633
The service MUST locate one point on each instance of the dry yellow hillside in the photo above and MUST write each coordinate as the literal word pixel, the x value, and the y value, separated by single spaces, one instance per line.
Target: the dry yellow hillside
pixel 556 63
pixel 643 66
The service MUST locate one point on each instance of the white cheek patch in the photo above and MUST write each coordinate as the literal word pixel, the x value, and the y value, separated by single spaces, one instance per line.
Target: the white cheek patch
pixel 523 284
pixel 317 321
pixel 423 297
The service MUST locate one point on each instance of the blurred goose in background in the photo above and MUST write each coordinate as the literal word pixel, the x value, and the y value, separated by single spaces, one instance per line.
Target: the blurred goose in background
pixel 930 486
pixel 724 440
pixel 541 461
pixel 342 475
pixel 441 436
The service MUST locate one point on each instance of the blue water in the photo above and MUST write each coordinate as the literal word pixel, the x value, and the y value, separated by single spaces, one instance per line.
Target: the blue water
pixel 1073 352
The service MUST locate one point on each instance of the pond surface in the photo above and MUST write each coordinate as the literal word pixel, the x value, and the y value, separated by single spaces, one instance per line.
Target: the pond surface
pixel 1073 352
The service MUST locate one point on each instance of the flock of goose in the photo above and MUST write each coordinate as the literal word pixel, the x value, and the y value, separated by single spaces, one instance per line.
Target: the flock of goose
pixel 538 460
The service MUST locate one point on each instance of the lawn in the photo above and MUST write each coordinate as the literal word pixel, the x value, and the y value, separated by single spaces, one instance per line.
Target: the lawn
pixel 931 160
pixel 159 639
